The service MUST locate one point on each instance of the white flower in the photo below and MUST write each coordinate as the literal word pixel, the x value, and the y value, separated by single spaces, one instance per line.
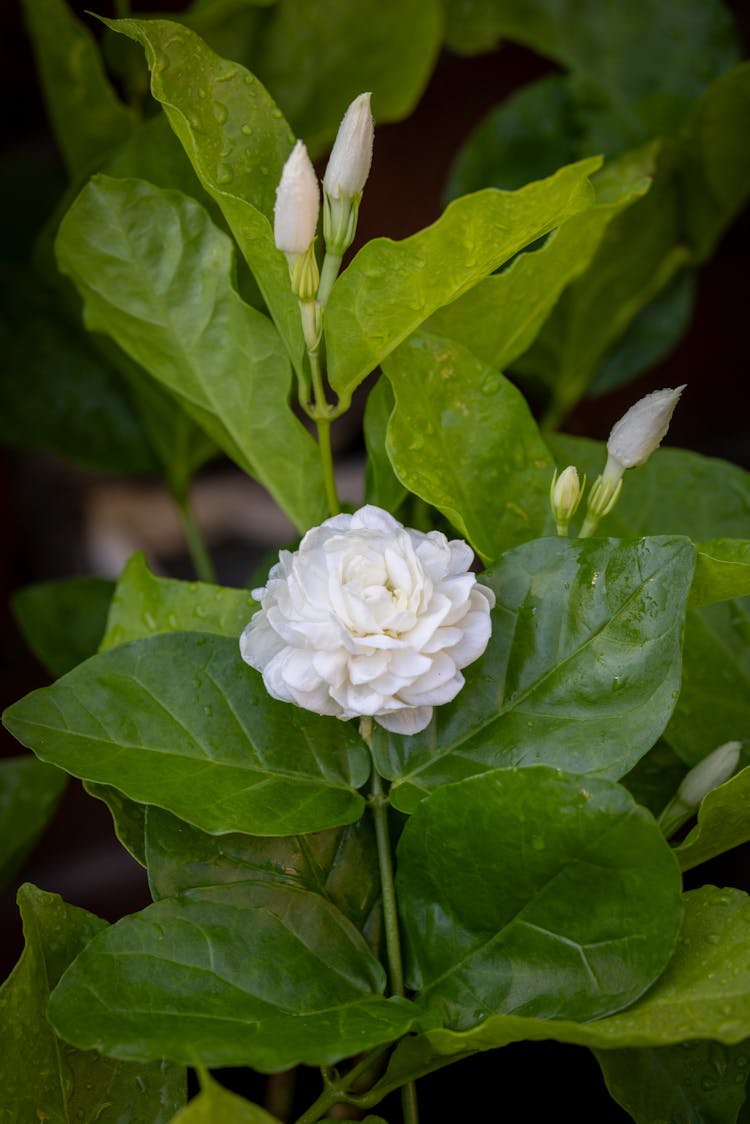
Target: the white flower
pixel 351 156
pixel 297 204
pixel 369 618
pixel 643 428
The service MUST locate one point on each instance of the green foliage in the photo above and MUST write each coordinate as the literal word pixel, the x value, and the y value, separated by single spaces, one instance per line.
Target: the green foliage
pixel 214 1103
pixel 138 285
pixel 492 478
pixel 722 822
pixel 243 974
pixel 44 1079
pixel 170 712
pixel 63 621
pixel 502 933
pixel 581 672
pixel 29 794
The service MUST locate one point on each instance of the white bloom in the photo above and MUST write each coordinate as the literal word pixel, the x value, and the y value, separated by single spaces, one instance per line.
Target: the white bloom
pixel 643 428
pixel 297 203
pixel 351 156
pixel 369 618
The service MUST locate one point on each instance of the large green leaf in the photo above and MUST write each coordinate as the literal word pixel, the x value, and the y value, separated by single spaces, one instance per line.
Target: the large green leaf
pixel 722 571
pixel 492 473
pixel 500 317
pixel 582 669
pixel 491 875
pixel 181 722
pixel 29 794
pixel 44 1079
pixel 247 974
pixel 128 817
pixel 723 822
pixel 214 1104
pixel 63 621
pixel 699 1082
pixel 382 486
pixel 144 605
pixel 86 114
pixel 341 865
pixel 391 288
pixel 237 141
pixel 359 45
pixel 223 359
pixel 703 993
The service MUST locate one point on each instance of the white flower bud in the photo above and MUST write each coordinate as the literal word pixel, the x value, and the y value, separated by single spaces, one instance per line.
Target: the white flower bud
pixel 709 773
pixel 369 619
pixel 564 496
pixel 297 205
pixel 351 157
pixel 642 429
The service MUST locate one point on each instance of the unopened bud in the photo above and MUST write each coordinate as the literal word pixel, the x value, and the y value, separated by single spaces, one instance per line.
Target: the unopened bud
pixel 708 774
pixel 564 496
pixel 643 428
pixel 297 205
pixel 346 175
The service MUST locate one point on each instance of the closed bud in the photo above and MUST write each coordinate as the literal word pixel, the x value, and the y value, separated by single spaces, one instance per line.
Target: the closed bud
pixel 709 773
pixel 297 205
pixel 643 428
pixel 351 157
pixel 564 497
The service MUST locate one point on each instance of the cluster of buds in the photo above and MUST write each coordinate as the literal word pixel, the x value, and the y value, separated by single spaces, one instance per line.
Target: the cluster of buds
pixel 298 200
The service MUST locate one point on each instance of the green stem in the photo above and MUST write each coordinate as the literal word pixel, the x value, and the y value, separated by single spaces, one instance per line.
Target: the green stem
pixel 328 274
pixel 201 559
pixel 322 418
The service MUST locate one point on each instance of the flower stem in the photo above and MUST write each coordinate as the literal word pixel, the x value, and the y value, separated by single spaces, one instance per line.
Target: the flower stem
pixel 328 274
pixel 201 559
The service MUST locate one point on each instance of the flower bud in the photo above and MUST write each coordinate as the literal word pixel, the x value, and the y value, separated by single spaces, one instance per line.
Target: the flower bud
pixel 351 157
pixel 297 205
pixel 564 496
pixel 642 429
pixel 709 773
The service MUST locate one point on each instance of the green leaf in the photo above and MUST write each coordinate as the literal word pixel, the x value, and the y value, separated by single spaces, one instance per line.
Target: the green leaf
pixel 86 114
pixel 359 45
pixel 654 779
pixel 703 993
pixel 181 722
pixel 29 795
pixel 128 817
pixel 382 486
pixel 491 874
pixel 493 473
pixel 581 672
pixel 715 161
pixel 63 621
pixel 221 358
pixel 80 407
pixel 214 1104
pixel 722 571
pixel 145 605
pixel 341 865
pixel 723 822
pixel 247 974
pixel 391 288
pixel 237 141
pixel 499 318
pixel 42 1078
pixel 703 1082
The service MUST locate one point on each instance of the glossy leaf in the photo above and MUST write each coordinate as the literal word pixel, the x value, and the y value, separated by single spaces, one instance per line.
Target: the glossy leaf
pixel 45 1079
pixel 341 865
pixel 360 45
pixel 390 288
pixel 492 475
pixel 491 874
pixel 382 486
pixel 704 1082
pixel 237 141
pixel 88 117
pixel 722 571
pixel 29 794
pixel 63 621
pixel 581 672
pixel 703 993
pixel 144 605
pixel 248 974
pixel 181 722
pixel 723 822
pixel 222 359
pixel 215 1103
pixel 499 318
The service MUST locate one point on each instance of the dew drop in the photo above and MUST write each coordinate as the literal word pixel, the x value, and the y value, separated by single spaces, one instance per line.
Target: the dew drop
pixel 140 1083
pixel 208 711
pixel 161 63
pixel 220 112
pixel 172 620
pixel 227 76
pixel 199 611
pixel 417 441
pixel 490 385
pixel 150 621
pixel 246 130
pixel 202 93
pixel 224 174
pixel 277 113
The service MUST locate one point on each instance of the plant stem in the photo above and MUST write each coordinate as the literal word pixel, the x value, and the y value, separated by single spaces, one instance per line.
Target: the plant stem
pixel 328 274
pixel 321 414
pixel 201 559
